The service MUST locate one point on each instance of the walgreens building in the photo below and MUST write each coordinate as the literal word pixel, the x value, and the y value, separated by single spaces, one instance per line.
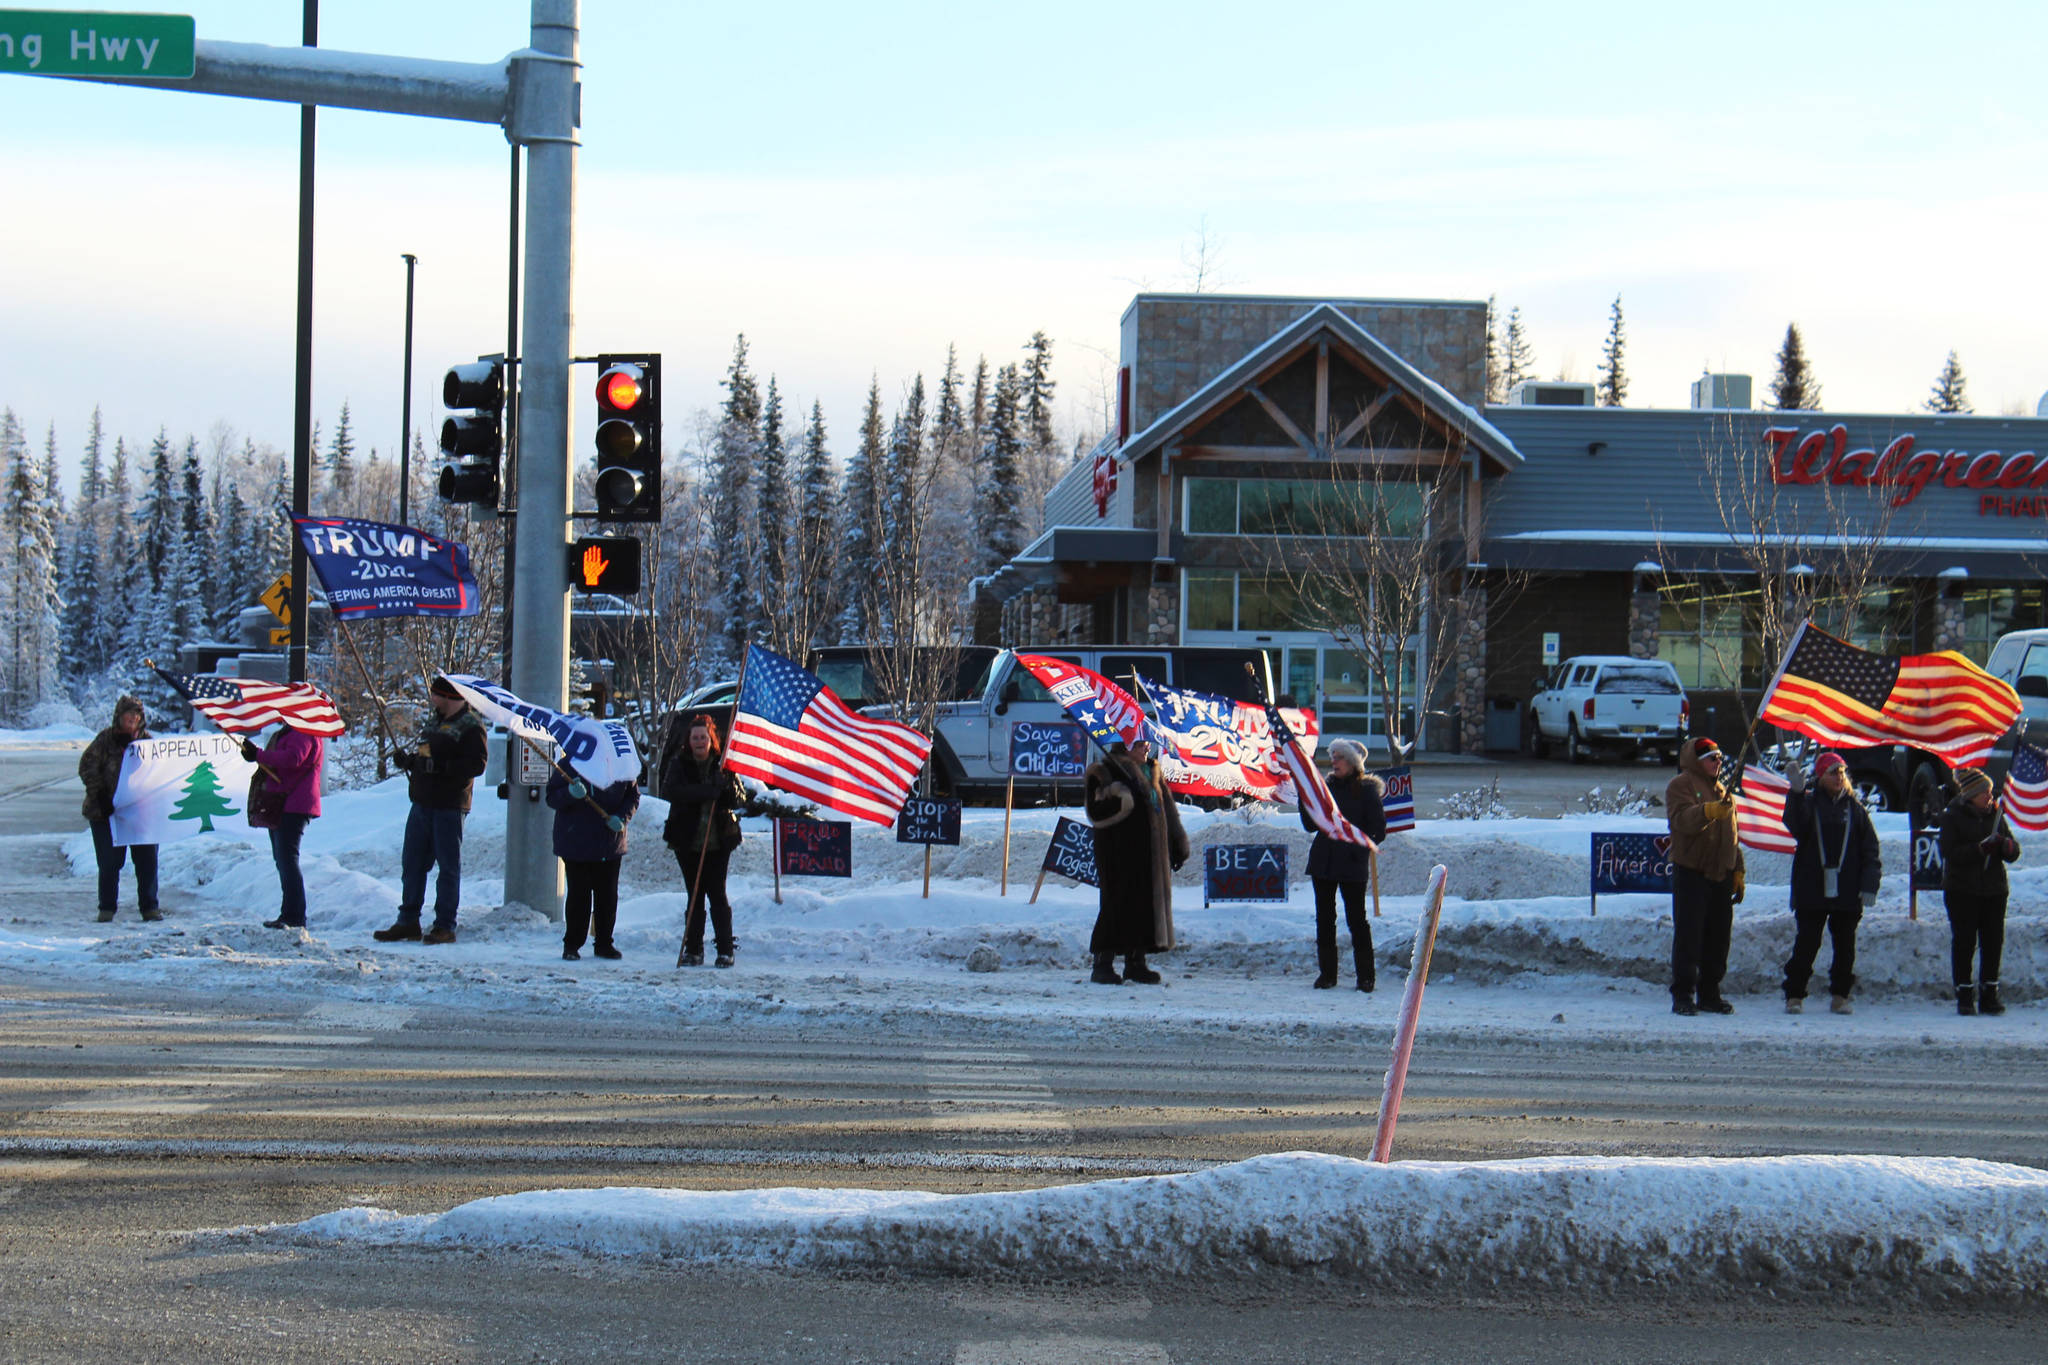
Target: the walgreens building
pixel 1251 429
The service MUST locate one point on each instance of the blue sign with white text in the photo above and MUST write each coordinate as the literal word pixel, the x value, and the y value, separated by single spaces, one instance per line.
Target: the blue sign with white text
pixel 1630 862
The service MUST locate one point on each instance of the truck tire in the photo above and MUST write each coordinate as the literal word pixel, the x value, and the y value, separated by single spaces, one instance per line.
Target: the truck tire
pixel 1575 750
pixel 1539 747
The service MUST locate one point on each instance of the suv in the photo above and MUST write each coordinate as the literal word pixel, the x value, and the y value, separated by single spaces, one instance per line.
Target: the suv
pixel 1609 701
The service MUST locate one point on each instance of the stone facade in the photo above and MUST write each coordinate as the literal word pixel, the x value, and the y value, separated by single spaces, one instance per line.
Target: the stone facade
pixel 1643 620
pixel 1948 621
pixel 1036 617
pixel 1161 625
pixel 1470 663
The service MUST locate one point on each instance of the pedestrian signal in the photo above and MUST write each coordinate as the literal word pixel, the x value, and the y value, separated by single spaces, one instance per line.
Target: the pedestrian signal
pixel 607 564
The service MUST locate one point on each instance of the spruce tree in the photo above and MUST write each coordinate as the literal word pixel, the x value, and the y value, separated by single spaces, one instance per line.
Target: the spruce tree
pixel 1519 356
pixel 1496 388
pixel 977 408
pixel 1793 387
pixel 772 515
pixel 1613 374
pixel 158 516
pixel 732 499
pixel 949 420
pixel 1035 394
pixel 200 600
pixel 998 512
pixel 341 461
pixel 238 564
pixel 84 530
pixel 1947 395
pixel 904 479
pixel 862 519
pixel 121 563
pixel 816 571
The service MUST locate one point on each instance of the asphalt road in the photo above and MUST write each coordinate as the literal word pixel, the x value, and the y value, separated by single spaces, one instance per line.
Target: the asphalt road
pixel 128 1121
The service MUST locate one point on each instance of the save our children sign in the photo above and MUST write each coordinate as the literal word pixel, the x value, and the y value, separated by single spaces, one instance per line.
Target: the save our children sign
pixel 176 786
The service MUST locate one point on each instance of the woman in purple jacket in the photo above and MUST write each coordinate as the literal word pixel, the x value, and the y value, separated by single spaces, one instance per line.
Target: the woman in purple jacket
pixel 294 759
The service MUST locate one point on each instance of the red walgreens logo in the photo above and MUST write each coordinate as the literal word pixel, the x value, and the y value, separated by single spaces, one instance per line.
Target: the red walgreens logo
pixel 1824 456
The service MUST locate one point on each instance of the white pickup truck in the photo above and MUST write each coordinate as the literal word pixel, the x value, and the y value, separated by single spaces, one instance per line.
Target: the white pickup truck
pixel 1610 702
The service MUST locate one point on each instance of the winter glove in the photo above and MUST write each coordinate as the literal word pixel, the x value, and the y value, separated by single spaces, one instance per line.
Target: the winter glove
pixel 1795 779
pixel 251 752
pixel 614 823
pixel 402 762
pixel 1991 847
pixel 577 791
pixel 2012 849
pixel 1741 885
pixel 1869 899
pixel 1718 810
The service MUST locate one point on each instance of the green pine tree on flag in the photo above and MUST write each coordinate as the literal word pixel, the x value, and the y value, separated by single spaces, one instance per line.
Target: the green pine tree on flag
pixel 202 800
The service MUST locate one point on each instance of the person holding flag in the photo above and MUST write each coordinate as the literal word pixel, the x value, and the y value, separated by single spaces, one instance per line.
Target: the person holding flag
pixel 703 830
pixel 296 758
pixel 1139 845
pixel 1976 844
pixel 1836 867
pixel 1336 866
pixel 590 839
pixel 1707 878
pixel 441 769
pixel 99 768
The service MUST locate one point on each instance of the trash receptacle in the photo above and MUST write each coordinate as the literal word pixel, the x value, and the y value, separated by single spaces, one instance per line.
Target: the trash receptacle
pixel 1503 725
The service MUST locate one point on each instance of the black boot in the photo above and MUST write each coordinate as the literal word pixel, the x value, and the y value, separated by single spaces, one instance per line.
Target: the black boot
pixel 1987 999
pixel 1137 972
pixel 1105 971
pixel 1966 1000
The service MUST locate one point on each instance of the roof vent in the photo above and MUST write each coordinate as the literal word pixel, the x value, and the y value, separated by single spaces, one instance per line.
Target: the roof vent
pixel 1721 391
pixel 1537 393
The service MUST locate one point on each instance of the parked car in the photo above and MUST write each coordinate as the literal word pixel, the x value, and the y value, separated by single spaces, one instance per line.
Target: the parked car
pixel 1609 702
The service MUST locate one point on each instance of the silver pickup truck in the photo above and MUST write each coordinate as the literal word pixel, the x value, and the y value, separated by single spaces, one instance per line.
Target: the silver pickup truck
pixel 1609 702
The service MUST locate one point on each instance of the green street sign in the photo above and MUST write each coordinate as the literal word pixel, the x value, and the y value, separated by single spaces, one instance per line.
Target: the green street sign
pixel 43 42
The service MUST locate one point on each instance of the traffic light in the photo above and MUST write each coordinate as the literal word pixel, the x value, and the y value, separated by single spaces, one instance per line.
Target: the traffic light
pixel 629 438
pixel 473 443
pixel 608 564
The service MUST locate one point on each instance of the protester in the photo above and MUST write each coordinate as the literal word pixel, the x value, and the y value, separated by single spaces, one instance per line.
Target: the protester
pixel 1835 872
pixel 591 842
pixel 704 805
pixel 441 771
pixel 1335 866
pixel 99 767
pixel 1976 844
pixel 294 758
pixel 1707 879
pixel 1139 845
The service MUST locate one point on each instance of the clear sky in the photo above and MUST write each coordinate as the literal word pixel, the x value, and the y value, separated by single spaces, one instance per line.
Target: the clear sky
pixel 855 186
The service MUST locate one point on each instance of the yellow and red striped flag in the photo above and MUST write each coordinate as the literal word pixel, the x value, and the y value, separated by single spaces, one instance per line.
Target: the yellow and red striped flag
pixel 1829 690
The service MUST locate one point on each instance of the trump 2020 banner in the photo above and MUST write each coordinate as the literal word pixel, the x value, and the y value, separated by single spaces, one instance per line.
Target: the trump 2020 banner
pixel 176 786
pixel 600 751
pixel 373 568
pixel 1215 746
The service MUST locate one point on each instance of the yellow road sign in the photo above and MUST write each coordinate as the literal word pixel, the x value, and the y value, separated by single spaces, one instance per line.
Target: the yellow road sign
pixel 281 635
pixel 278 598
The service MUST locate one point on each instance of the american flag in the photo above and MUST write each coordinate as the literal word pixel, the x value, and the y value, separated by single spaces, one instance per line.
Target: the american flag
pixel 1829 690
pixel 1398 801
pixel 1760 811
pixel 1310 789
pixel 242 706
pixel 792 732
pixel 2026 788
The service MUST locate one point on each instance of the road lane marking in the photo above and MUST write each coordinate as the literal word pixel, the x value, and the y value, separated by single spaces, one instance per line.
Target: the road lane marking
pixel 1060 1351
pixel 984 1091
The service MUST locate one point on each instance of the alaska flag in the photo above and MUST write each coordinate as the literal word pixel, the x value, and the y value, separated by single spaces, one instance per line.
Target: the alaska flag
pixel 373 568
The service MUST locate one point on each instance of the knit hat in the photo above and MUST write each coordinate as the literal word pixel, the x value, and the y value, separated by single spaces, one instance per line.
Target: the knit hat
pixel 1968 780
pixel 441 687
pixel 1344 748
pixel 125 705
pixel 1703 745
pixel 1827 763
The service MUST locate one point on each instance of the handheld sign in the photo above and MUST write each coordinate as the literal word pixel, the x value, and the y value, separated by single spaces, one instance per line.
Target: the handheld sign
pixel 814 848
pixel 1244 872
pixel 1630 862
pixel 928 821
pixel 1072 852
pixel 1926 873
pixel 1048 749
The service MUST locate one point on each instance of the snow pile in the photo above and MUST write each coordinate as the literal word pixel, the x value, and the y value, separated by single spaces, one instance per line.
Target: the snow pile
pixel 1876 1227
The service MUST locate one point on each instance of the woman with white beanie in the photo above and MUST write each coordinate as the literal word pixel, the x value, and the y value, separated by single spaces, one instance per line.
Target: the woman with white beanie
pixel 1335 866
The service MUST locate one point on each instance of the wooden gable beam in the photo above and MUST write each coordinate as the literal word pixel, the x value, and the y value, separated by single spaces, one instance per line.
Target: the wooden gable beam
pixel 1281 419
pixel 1323 397
pixel 1364 419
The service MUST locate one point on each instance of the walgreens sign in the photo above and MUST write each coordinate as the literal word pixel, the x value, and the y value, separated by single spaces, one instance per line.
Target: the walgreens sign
pixel 1825 456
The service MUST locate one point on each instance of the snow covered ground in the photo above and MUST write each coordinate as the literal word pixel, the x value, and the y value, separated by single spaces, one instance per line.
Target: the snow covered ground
pixel 1855 1228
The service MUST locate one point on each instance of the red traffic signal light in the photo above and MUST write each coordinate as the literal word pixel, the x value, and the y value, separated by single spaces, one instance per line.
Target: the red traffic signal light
pixel 619 388
pixel 628 438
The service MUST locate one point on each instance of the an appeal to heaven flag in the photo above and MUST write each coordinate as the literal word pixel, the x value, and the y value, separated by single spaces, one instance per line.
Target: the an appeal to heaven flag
pixel 1829 690
pixel 601 752
pixel 176 786
pixel 1215 746
pixel 373 568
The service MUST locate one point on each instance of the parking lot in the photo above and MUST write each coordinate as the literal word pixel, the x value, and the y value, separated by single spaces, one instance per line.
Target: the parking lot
pixel 1533 787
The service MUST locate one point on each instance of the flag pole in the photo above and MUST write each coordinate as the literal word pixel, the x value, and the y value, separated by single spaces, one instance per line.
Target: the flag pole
pixel 369 683
pixel 1009 801
pixel 704 826
pixel 1771 691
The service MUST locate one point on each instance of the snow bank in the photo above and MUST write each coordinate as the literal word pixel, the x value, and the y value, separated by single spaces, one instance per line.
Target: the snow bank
pixel 1854 1226
pixel 61 735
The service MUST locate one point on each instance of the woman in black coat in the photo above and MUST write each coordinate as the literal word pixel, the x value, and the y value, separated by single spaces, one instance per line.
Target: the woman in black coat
pixel 1835 871
pixel 1335 866
pixel 1139 845
pixel 1976 844
pixel 704 805
pixel 591 842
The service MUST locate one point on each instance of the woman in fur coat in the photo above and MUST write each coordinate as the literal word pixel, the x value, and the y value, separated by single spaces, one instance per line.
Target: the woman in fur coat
pixel 1139 845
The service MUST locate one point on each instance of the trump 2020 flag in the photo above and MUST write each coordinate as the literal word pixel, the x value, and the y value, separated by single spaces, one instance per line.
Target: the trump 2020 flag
pixel 1214 745
pixel 176 786
pixel 373 568
pixel 1104 709
pixel 600 751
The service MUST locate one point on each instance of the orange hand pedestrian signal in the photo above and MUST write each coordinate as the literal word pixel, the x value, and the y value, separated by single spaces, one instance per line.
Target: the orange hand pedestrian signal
pixel 606 564
pixel 594 565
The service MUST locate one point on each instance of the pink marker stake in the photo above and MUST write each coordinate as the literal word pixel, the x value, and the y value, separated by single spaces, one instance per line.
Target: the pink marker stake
pixel 1411 1014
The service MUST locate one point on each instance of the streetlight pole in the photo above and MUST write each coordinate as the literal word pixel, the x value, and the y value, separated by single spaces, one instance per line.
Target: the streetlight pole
pixel 405 418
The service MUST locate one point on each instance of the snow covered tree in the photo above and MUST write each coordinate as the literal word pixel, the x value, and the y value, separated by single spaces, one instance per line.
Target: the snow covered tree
pixel 82 555
pixel 158 515
pixel 121 563
pixel 815 550
pixel 1793 387
pixel 862 517
pixel 998 516
pixel 31 598
pixel 341 462
pixel 1035 393
pixel 773 624
pixel 903 506
pixel 1496 385
pixel 1947 395
pixel 200 598
pixel 239 564
pixel 1518 356
pixel 977 407
pixel 736 449
pixel 1613 374
pixel 949 419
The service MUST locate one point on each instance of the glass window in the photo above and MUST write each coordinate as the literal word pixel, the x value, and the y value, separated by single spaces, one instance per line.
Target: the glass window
pixel 1653 680
pixel 1990 611
pixel 1212 506
pixel 1030 688
pixel 1700 631
pixel 1119 668
pixel 1267 602
pixel 1212 599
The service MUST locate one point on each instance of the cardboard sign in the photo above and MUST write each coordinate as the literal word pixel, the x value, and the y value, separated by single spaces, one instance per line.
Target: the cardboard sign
pixel 1244 872
pixel 1048 748
pixel 1630 862
pixel 1072 852
pixel 814 848
pixel 1927 864
pixel 928 821
pixel 1398 801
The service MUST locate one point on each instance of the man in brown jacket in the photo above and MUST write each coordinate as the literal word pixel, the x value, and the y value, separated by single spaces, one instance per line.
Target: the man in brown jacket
pixel 1706 878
